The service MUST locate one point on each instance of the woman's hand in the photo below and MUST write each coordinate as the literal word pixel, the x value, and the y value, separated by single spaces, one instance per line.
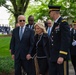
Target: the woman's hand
pixel 28 57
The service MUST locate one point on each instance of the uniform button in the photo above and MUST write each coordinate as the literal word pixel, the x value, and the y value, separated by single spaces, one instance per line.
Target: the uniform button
pixel 52 36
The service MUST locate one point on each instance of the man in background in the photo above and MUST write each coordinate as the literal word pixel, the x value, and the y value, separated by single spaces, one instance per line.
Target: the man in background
pixel 30 22
pixel 49 27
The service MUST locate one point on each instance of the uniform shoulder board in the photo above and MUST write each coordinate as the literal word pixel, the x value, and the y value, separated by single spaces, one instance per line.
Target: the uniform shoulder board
pixel 64 20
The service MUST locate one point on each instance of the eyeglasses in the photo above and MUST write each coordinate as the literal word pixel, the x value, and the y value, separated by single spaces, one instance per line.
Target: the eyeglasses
pixel 21 20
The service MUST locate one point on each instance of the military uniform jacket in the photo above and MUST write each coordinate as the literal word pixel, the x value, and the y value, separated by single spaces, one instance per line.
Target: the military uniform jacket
pixel 60 40
pixel 73 48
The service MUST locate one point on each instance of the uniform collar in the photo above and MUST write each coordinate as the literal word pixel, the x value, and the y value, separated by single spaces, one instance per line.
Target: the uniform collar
pixel 57 19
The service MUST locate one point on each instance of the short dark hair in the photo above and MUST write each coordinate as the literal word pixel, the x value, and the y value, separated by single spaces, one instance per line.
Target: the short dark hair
pixel 30 16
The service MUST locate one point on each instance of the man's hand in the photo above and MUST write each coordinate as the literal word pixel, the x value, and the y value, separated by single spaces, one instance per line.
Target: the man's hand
pixel 13 56
pixel 28 57
pixel 60 60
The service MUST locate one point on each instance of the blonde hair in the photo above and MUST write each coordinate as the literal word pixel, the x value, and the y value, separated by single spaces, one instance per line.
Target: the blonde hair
pixel 41 25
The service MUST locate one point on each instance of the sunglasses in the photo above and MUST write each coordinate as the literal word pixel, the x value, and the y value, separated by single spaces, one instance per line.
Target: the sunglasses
pixel 21 20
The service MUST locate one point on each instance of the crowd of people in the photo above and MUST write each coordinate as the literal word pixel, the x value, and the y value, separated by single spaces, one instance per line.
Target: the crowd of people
pixel 41 49
pixel 5 29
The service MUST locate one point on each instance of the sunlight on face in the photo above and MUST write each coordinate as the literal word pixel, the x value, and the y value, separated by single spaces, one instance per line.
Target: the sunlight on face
pixel 38 30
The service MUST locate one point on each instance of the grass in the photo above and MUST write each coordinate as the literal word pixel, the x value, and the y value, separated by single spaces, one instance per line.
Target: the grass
pixel 4 46
pixel 6 63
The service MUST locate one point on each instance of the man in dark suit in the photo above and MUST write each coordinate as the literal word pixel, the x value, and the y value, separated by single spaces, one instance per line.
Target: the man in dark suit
pixel 49 28
pixel 21 45
pixel 30 22
pixel 73 46
pixel 60 42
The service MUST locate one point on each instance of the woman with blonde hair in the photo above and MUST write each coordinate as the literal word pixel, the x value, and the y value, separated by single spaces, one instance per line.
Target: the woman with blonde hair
pixel 41 47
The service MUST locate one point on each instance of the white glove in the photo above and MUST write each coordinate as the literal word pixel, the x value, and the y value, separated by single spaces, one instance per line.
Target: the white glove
pixel 74 43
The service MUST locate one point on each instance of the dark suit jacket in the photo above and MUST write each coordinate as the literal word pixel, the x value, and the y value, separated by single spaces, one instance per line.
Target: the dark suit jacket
pixel 20 48
pixel 29 25
pixel 60 40
pixel 45 42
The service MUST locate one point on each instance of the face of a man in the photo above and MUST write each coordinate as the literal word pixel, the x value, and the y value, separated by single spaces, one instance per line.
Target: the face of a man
pixel 49 22
pixel 52 14
pixel 31 20
pixel 21 20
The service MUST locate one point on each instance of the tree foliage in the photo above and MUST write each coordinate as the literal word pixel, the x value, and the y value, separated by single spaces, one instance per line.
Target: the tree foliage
pixel 39 8
pixel 67 8
pixel 19 6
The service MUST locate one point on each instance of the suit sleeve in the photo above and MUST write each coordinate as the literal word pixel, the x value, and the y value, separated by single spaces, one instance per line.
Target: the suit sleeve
pixel 31 41
pixel 12 43
pixel 65 39
pixel 48 46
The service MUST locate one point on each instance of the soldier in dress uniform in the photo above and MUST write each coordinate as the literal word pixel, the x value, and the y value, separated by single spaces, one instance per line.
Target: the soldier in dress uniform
pixel 73 46
pixel 60 43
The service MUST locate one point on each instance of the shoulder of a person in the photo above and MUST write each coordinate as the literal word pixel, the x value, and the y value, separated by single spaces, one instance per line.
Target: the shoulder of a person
pixel 27 25
pixel 45 35
pixel 15 28
pixel 63 21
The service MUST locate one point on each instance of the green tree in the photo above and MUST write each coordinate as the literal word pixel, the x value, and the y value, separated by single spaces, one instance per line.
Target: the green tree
pixel 19 7
pixel 39 8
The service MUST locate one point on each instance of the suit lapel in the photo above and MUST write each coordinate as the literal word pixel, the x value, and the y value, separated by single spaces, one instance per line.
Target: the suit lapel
pixel 18 33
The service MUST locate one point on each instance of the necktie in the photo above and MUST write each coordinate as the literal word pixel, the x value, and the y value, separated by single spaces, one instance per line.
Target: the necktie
pixel 49 31
pixel 21 33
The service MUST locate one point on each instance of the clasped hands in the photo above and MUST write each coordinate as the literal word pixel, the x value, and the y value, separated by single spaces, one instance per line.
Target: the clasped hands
pixel 28 57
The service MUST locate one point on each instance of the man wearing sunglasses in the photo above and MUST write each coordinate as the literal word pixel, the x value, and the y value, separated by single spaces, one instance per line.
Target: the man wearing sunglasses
pixel 21 46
